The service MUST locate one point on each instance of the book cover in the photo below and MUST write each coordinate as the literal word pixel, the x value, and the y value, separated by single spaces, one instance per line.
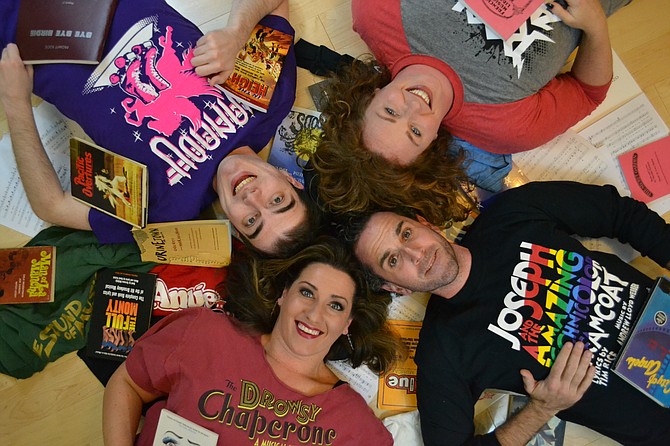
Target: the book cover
pixel 173 429
pixel 258 65
pixel 490 411
pixel 397 387
pixel 195 243
pixel 647 170
pixel 296 138
pixel 644 360
pixel 318 93
pixel 56 31
pixel 27 274
pixel 109 182
pixel 503 16
pixel 122 306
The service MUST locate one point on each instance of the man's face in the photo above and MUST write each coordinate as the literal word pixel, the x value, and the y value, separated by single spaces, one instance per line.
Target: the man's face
pixel 407 253
pixel 403 117
pixel 260 200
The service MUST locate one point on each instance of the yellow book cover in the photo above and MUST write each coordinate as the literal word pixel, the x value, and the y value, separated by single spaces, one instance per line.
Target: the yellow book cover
pixel 397 387
pixel 195 242
pixel 258 65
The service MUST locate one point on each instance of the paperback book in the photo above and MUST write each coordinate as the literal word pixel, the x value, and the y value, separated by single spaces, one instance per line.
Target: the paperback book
pixel 647 170
pixel 109 182
pixel 173 429
pixel 27 274
pixel 258 65
pixel 644 360
pixel 56 31
pixel 503 16
pixel 194 243
pixel 397 387
pixel 122 306
pixel 296 138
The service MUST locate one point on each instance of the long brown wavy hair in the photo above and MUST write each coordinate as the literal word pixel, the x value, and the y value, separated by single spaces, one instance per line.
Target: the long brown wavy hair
pixel 354 179
pixel 254 284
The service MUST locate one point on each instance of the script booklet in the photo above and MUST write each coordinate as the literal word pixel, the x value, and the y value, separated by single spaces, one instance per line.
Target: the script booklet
pixel 257 67
pixel 122 306
pixel 109 182
pixel 644 360
pixel 195 243
pixel 57 31
pixel 175 429
pixel 27 274
pixel 647 170
pixel 296 138
pixel 397 387
pixel 503 16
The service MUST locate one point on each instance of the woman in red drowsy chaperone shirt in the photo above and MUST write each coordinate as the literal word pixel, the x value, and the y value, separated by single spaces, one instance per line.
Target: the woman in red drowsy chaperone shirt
pixel 264 378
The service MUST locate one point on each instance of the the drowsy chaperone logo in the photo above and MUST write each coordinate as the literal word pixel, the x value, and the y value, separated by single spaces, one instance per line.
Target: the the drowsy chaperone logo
pixel 266 419
pixel 170 109
pixel 559 296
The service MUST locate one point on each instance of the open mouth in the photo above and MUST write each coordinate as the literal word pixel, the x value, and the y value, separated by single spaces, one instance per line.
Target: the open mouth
pixel 421 94
pixel 307 330
pixel 242 181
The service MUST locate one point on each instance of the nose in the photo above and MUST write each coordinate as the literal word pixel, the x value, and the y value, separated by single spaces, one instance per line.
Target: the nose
pixel 314 312
pixel 252 196
pixel 413 252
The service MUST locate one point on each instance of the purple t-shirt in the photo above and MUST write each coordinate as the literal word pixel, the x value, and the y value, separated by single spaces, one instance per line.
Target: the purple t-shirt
pixel 145 102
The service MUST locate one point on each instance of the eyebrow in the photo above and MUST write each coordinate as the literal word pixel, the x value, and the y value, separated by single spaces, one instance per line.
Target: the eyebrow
pixel 398 230
pixel 259 228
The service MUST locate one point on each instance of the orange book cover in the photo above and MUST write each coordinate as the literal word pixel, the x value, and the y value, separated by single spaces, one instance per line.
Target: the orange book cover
pixel 27 274
pixel 258 65
pixel 397 387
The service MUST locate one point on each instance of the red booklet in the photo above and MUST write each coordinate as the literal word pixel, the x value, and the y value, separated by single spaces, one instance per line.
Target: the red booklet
pixel 503 16
pixel 27 274
pixel 56 31
pixel 647 170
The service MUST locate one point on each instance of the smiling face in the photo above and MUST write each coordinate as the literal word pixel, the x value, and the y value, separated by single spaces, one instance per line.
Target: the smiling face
pixel 260 200
pixel 315 311
pixel 407 254
pixel 403 117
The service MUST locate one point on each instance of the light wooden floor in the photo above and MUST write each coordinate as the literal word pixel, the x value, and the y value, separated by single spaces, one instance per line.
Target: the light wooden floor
pixel 62 404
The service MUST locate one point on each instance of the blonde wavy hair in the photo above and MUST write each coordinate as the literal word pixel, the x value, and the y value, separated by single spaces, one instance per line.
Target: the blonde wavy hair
pixel 354 179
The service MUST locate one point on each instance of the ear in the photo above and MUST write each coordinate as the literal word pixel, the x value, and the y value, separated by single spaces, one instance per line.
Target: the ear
pixel 428 224
pixel 281 298
pixel 393 288
pixel 346 329
pixel 291 179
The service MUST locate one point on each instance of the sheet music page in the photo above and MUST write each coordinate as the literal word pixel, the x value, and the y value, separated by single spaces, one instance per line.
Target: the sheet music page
pixel 15 210
pixel 570 157
pixel 632 125
pixel 361 379
pixel 406 308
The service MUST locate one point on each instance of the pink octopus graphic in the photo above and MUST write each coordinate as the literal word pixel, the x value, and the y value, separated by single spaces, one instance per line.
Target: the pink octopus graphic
pixel 160 86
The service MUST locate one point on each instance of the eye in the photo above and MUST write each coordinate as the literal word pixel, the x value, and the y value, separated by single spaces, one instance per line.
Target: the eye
pixel 391 112
pixel 278 199
pixel 406 234
pixel 250 221
pixel 416 131
pixel 306 292
pixel 336 306
pixel 393 261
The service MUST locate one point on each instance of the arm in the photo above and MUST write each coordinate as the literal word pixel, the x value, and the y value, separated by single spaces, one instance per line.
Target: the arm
pixel 568 379
pixel 122 408
pixel 215 52
pixel 593 63
pixel 38 176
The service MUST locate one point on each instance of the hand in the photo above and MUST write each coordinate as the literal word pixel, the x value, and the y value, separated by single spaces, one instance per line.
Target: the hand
pixel 587 15
pixel 215 53
pixel 570 376
pixel 16 78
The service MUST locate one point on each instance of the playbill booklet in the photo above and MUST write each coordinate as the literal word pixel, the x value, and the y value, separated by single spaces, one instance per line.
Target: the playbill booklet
pixel 109 182
pixel 27 274
pixel 258 65
pixel 173 429
pixel 397 387
pixel 644 360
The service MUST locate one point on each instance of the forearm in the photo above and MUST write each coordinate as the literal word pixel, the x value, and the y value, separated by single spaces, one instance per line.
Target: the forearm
pixel 121 410
pixel 593 63
pixel 245 14
pixel 521 428
pixel 39 179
